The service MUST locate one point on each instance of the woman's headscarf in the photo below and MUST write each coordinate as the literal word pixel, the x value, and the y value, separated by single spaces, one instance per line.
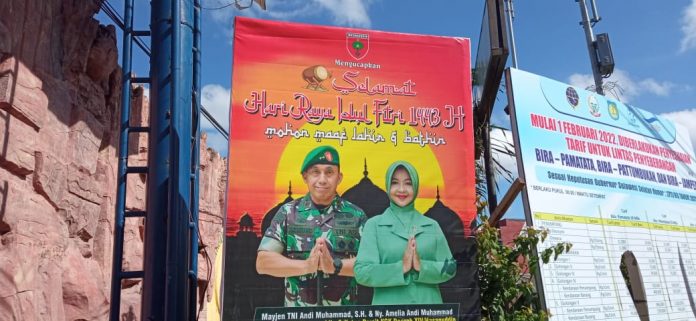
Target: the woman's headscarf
pixel 414 181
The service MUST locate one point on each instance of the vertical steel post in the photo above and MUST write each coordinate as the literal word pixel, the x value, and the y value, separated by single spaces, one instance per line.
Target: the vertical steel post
pixel 589 37
pixel 159 162
pixel 120 219
pixel 195 158
pixel 167 243
pixel 178 231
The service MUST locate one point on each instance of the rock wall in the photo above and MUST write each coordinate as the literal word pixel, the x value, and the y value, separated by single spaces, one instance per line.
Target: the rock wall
pixel 60 97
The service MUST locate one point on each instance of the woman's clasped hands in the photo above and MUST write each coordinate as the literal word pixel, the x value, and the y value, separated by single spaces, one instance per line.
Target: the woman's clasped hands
pixel 411 259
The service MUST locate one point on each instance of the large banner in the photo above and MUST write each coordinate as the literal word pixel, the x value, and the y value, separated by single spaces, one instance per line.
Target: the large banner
pixel 375 97
pixel 618 183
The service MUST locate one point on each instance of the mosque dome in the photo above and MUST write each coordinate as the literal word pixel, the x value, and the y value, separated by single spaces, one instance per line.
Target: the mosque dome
pixel 366 195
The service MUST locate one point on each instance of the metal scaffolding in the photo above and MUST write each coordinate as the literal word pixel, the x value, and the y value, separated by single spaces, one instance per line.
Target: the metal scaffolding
pixel 171 230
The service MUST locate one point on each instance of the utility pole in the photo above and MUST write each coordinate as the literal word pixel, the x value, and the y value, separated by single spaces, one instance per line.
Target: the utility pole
pixel 589 37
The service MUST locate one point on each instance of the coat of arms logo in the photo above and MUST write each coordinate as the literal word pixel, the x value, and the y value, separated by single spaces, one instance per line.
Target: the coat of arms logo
pixel 357 44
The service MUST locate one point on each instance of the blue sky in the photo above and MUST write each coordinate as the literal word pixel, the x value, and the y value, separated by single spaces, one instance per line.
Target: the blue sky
pixel 654 45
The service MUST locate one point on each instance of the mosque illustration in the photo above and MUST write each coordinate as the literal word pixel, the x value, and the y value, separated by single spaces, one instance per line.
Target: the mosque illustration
pixel 245 289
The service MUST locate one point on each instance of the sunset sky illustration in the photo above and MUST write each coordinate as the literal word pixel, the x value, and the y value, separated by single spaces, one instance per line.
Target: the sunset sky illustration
pixel 266 59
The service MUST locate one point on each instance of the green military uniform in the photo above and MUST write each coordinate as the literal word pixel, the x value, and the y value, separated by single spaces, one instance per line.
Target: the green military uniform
pixel 293 232
pixel 380 260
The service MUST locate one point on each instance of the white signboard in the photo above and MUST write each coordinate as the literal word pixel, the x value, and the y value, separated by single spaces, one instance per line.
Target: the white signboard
pixel 615 181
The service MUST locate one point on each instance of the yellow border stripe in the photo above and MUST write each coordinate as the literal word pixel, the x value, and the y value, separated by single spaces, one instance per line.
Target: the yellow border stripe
pixel 611 222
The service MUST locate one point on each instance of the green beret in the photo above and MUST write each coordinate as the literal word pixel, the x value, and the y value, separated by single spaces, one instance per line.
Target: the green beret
pixel 321 155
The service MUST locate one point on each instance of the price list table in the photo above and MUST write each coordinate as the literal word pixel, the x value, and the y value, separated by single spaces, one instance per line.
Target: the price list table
pixel 588 284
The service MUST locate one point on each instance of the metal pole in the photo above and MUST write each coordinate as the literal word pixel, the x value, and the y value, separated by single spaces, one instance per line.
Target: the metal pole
pixel 159 162
pixel 179 199
pixel 120 220
pixel 510 9
pixel 589 37
pixel 490 171
pixel 195 159
pixel 595 14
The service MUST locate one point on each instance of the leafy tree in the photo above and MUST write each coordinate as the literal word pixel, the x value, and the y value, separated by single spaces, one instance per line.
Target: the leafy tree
pixel 505 273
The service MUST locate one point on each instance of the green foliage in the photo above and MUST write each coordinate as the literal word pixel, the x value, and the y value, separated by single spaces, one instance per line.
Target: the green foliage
pixel 507 289
pixel 357 45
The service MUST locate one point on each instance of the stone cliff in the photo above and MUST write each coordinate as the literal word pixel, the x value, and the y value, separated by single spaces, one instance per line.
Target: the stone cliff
pixel 60 91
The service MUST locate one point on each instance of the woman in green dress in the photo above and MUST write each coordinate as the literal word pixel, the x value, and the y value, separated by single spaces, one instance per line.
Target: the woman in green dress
pixel 403 255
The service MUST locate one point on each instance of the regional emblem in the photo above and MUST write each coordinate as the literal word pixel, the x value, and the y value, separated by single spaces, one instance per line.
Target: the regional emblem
pixel 357 44
pixel 594 106
pixel 572 97
pixel 613 110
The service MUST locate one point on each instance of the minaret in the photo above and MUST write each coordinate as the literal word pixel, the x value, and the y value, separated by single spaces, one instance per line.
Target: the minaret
pixel 246 224
pixel 365 167
pixel 268 217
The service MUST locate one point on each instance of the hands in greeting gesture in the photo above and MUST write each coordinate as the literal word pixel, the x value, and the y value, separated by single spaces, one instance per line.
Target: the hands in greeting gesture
pixel 411 259
pixel 320 258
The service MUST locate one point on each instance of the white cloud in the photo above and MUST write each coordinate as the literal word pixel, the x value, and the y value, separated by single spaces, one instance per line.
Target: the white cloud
pixel 688 27
pixel 686 118
pixel 350 13
pixel 624 88
pixel 657 88
pixel 224 11
pixel 290 10
pixel 581 80
pixel 216 100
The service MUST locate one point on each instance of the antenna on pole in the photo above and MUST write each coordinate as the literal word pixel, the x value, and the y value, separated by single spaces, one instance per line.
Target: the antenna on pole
pixel 601 57
pixel 589 37
pixel 510 10
pixel 595 16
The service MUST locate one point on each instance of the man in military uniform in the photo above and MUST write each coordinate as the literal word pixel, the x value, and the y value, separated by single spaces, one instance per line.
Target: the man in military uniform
pixel 312 241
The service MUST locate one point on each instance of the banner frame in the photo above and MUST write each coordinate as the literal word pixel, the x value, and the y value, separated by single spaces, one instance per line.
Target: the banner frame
pixel 538 282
